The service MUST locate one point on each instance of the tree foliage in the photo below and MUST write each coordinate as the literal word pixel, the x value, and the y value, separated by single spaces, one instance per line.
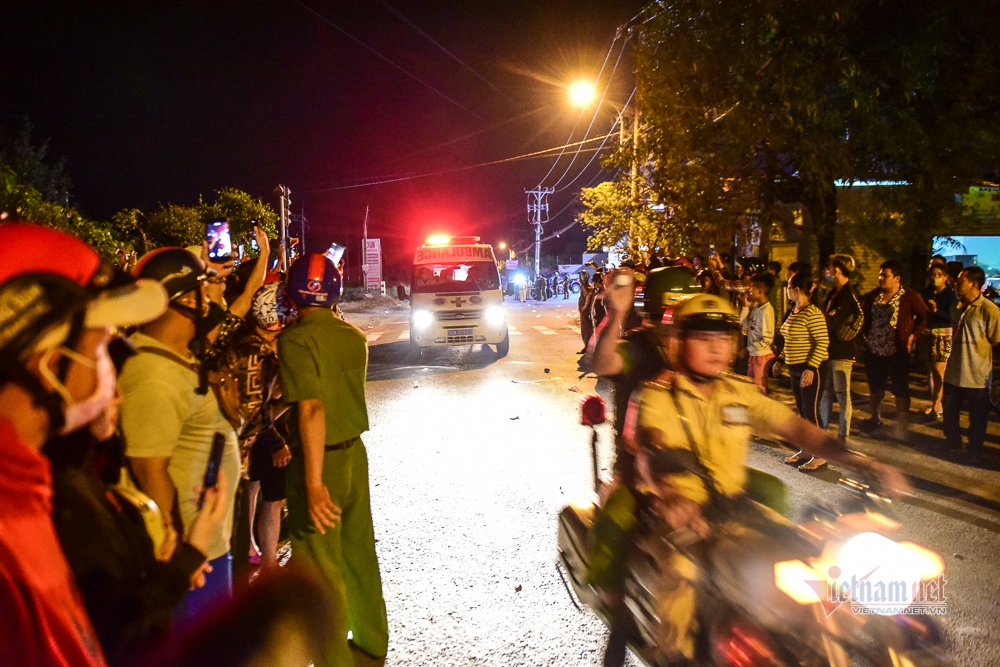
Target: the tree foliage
pixel 746 106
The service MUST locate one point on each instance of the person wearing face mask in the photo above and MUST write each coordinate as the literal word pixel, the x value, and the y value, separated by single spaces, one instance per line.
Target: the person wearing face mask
pixel 58 305
pixel 935 347
pixel 130 570
pixel 170 417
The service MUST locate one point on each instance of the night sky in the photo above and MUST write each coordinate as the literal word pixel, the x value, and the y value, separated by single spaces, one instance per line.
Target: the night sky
pixel 154 102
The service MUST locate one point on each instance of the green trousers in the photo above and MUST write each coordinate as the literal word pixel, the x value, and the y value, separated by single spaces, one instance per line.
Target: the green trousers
pixel 344 558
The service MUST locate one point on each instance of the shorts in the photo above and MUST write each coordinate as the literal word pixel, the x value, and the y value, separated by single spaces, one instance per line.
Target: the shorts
pixel 271 477
pixel 882 370
pixel 935 346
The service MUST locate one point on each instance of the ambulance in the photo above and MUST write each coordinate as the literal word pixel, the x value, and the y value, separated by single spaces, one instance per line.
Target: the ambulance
pixel 455 296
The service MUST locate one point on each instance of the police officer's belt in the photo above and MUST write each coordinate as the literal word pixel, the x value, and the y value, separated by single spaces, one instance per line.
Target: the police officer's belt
pixel 340 445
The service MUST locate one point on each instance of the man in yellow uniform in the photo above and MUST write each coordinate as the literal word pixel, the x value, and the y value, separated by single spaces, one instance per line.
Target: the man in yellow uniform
pixel 690 429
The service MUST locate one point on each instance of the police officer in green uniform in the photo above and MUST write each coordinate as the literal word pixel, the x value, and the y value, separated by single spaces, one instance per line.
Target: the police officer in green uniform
pixel 323 362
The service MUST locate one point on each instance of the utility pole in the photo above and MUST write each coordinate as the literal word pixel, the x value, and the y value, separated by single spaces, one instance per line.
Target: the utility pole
pixel 538 213
pixel 285 196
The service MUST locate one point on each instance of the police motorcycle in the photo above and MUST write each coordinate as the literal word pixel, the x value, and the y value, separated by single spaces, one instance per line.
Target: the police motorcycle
pixel 797 597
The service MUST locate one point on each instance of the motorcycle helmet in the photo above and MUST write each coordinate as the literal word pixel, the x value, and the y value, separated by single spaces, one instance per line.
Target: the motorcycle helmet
pixel 705 312
pixel 271 309
pixel 177 269
pixel 662 285
pixel 47 300
pixel 313 280
pixel 752 266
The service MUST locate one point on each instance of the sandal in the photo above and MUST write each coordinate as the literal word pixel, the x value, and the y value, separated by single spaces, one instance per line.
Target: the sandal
pixel 813 465
pixel 797 459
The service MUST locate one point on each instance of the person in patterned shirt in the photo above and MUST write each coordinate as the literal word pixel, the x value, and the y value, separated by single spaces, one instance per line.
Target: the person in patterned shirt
pixel 895 316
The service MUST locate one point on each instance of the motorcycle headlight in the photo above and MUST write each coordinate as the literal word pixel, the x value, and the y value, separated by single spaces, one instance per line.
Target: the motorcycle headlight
pixel 494 315
pixel 421 319
pixel 519 279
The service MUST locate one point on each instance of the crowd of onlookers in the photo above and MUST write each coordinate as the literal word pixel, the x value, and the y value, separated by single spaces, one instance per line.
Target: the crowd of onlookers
pixel 140 411
pixel 814 327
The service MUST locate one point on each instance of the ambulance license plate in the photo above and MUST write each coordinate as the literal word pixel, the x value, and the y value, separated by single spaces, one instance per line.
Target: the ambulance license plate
pixel 456 333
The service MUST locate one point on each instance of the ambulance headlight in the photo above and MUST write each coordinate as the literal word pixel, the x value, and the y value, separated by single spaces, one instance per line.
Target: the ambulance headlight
pixel 422 319
pixel 494 315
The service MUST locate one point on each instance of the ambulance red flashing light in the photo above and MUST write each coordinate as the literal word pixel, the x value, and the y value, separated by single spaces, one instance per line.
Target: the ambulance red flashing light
pixel 444 239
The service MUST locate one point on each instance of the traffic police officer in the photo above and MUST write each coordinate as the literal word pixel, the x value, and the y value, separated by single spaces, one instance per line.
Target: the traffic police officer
pixel 690 429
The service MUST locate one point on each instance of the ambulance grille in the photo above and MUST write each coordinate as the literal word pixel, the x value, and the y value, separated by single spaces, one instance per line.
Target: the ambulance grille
pixel 458 315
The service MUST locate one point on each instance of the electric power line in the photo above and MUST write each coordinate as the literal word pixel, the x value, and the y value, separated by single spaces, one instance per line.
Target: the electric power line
pixel 597 108
pixel 408 177
pixel 451 55
pixel 382 57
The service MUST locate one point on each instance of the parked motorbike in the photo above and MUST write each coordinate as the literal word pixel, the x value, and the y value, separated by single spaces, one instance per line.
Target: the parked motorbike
pixel 776 602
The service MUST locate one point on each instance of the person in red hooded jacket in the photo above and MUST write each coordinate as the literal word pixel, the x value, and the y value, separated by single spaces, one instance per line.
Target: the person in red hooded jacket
pixel 58 305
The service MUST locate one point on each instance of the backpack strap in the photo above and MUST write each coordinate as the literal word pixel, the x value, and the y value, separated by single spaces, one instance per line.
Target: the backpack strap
pixel 167 354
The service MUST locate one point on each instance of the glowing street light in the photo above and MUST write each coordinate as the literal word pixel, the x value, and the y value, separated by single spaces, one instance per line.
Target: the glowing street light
pixel 582 93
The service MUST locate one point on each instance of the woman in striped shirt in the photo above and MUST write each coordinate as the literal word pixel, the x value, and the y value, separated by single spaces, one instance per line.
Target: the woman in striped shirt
pixel 806 342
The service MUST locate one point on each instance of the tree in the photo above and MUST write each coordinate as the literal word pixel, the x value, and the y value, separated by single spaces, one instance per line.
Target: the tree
pixel 179 225
pixel 744 105
pixel 31 164
pixel 750 105
pixel 619 222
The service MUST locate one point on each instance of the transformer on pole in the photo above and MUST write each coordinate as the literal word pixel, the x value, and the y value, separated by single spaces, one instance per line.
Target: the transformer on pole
pixel 538 214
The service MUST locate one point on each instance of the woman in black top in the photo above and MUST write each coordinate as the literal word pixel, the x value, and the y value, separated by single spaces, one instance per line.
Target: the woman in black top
pixel 128 589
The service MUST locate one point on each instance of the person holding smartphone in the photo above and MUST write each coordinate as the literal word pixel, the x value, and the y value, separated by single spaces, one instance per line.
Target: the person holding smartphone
pixel 170 418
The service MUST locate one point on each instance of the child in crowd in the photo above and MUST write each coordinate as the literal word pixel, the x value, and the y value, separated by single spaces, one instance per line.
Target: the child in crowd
pixel 758 326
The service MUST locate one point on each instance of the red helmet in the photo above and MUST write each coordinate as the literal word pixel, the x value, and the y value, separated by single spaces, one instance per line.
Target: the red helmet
pixel 313 280
pixel 37 249
pixel 592 410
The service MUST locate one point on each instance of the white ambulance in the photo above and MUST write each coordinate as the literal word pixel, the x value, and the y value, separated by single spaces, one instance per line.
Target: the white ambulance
pixel 455 296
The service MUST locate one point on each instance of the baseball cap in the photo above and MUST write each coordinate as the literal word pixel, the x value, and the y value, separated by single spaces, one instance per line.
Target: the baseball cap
pixel 50 277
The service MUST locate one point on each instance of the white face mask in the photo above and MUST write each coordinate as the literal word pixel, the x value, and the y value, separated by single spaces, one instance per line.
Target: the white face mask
pixel 77 414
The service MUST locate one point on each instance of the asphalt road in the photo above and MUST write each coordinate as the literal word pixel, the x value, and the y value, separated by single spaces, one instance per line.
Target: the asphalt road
pixel 472 458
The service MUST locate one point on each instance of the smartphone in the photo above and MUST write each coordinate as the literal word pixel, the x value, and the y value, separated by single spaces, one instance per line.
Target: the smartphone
pixel 711 251
pixel 212 469
pixel 253 244
pixel 220 245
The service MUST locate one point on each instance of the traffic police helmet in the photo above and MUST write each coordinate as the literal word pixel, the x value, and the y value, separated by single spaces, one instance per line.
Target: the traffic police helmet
pixel 705 312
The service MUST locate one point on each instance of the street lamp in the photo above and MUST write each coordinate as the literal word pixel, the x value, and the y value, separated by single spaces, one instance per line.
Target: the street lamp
pixel 582 94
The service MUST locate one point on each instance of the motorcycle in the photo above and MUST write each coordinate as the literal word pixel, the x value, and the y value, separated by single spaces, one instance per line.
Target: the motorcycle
pixel 796 596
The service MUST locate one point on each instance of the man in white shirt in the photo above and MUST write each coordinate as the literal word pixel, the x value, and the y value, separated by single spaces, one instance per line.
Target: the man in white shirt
pixel 970 366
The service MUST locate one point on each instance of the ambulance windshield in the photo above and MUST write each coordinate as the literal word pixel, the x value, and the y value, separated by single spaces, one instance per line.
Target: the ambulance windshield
pixel 455 277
